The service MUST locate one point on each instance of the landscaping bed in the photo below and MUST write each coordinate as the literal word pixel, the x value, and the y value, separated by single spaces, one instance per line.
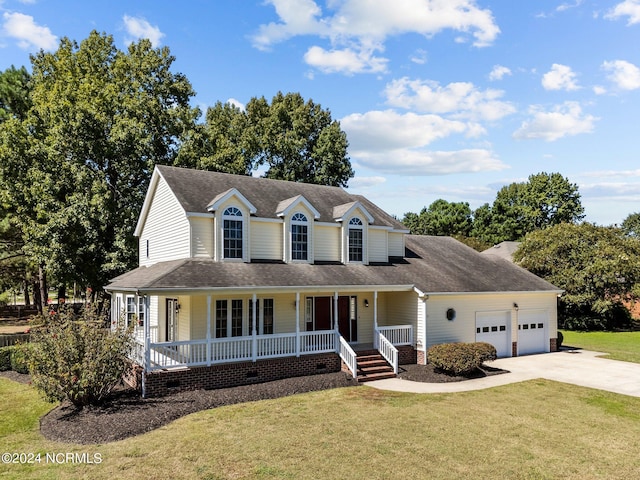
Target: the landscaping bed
pixel 127 415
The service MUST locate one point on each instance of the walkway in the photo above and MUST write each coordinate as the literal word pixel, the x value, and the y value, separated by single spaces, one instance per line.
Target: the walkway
pixel 578 367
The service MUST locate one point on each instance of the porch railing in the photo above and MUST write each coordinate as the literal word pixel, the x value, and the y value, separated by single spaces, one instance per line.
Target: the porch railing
pixel 386 349
pixel 348 356
pixel 398 334
pixel 190 353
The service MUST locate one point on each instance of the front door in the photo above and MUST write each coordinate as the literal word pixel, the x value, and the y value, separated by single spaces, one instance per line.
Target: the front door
pixel 322 313
pixel 172 320
pixel 346 318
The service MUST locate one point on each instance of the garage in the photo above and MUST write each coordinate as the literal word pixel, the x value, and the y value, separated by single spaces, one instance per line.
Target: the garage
pixel 493 328
pixel 532 332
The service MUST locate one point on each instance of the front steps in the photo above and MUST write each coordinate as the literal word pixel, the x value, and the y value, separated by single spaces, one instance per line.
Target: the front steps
pixel 373 366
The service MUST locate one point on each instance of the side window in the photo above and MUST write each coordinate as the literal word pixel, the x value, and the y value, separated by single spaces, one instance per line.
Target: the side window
pixel 299 237
pixel 356 228
pixel 232 233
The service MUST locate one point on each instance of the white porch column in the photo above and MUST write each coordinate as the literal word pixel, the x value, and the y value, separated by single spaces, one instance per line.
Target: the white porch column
pixel 375 309
pixel 209 330
pixel 254 330
pixel 297 324
pixel 335 311
pixel 147 335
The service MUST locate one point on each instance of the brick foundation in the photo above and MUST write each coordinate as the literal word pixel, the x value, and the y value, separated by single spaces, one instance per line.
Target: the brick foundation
pixel 421 357
pixel 407 355
pixel 133 376
pixel 553 344
pixel 161 383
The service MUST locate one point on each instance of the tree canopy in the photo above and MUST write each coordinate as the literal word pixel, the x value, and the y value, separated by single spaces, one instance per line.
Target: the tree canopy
pixel 76 168
pixel 441 218
pixel 631 225
pixel 597 267
pixel 294 139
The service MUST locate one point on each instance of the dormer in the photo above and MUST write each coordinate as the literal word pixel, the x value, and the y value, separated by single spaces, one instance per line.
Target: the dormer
pixel 232 212
pixel 355 221
pixel 298 216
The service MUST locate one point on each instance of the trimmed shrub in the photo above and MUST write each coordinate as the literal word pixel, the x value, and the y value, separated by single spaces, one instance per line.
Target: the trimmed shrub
pixel 460 358
pixel 5 358
pixel 559 339
pixel 78 359
pixel 19 355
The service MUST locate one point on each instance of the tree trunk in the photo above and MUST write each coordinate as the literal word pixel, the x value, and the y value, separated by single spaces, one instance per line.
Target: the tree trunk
pixel 36 296
pixel 27 299
pixel 44 293
pixel 62 294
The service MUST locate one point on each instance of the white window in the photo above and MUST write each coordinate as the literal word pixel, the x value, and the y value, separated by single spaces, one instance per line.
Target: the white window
pixel 141 317
pixel 131 309
pixel 299 237
pixel 232 233
pixel 356 249
pixel 264 316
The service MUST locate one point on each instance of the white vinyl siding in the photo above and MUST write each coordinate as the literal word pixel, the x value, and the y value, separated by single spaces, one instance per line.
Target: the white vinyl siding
pixel 184 318
pixel 378 248
pixel 266 240
pixel 463 327
pixel 396 244
pixel 201 237
pixel 166 229
pixel 327 243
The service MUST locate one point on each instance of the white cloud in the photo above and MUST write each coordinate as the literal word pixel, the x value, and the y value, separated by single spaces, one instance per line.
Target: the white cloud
pixel 608 190
pixel 564 120
pixel 419 162
pixel 599 90
pixel 396 143
pixel 346 61
pixel 358 28
pixel 366 182
pixel 560 77
pixel 419 57
pixel 613 173
pixel 499 72
pixel 624 74
pixel 138 28
pixel 29 35
pixel 459 99
pixel 628 8
pixel 567 6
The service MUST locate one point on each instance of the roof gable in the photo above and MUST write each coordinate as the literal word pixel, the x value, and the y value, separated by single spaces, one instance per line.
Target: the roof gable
pixel 195 190
pixel 224 196
pixel 289 204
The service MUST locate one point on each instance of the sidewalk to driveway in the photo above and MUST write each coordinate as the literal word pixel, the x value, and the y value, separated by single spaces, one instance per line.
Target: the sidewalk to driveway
pixel 578 367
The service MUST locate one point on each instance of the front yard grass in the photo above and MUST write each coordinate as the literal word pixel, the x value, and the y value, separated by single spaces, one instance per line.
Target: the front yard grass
pixel 623 346
pixel 537 429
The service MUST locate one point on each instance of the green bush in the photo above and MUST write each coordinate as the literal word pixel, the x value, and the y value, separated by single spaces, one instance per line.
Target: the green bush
pixel 460 358
pixel 5 358
pixel 559 340
pixel 78 359
pixel 19 358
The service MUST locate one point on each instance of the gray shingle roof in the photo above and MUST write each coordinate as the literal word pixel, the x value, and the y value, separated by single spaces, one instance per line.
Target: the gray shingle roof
pixel 432 265
pixel 195 190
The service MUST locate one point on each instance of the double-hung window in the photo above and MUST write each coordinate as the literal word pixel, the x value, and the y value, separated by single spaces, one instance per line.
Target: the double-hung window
pixel 264 316
pixel 356 240
pixel 299 237
pixel 232 232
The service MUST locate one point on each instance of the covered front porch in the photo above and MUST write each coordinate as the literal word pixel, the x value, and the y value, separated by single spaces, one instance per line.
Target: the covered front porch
pixel 195 330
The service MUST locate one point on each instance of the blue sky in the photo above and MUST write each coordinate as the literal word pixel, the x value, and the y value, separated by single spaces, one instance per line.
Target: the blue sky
pixel 439 98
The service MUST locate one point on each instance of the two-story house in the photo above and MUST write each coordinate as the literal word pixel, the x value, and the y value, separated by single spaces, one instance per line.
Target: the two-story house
pixel 245 279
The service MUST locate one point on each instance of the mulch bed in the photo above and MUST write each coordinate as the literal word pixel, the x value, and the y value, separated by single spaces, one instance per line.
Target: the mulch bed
pixel 127 415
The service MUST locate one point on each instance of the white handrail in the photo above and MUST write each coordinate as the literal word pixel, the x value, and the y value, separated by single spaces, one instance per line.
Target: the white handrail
pixel 387 350
pixel 398 334
pixel 348 356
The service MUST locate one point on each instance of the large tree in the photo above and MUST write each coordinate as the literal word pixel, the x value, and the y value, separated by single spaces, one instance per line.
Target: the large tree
pixel 597 267
pixel 14 93
pixel 77 167
pixel 631 225
pixel 546 199
pixel 440 218
pixel 294 139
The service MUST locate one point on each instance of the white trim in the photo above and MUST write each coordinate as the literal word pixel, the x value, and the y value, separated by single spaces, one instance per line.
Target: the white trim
pixel 223 197
pixel 292 203
pixel 268 220
pixel 200 214
pixel 347 214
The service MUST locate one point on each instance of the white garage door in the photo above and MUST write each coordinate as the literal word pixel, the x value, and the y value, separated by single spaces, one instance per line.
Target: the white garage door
pixel 493 328
pixel 532 332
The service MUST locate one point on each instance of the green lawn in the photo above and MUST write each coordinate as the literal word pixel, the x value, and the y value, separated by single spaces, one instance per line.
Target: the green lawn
pixel 532 430
pixel 623 346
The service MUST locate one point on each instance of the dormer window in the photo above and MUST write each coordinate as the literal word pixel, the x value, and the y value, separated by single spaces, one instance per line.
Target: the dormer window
pixel 299 237
pixel 356 228
pixel 232 233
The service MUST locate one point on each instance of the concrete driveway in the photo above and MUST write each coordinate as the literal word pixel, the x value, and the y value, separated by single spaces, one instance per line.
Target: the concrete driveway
pixel 578 367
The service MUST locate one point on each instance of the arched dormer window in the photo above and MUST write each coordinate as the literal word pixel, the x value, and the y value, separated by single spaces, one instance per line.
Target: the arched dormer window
pixel 356 229
pixel 299 237
pixel 232 233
